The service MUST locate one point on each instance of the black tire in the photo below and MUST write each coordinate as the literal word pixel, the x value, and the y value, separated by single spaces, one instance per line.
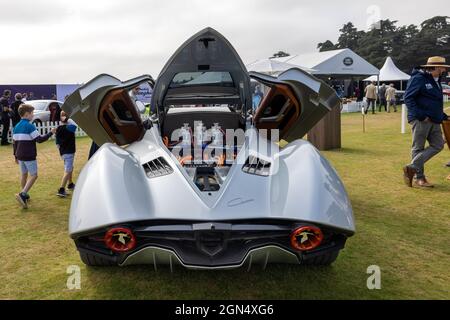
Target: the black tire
pixel 323 260
pixel 37 122
pixel 95 261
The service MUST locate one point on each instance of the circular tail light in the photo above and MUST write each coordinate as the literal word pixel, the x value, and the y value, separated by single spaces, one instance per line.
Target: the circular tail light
pixel 306 238
pixel 120 239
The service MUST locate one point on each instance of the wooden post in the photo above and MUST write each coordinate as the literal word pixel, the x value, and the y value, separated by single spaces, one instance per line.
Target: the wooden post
pixel 326 134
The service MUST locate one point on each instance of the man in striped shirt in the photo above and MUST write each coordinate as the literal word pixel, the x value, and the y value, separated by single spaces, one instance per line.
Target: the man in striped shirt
pixel 25 136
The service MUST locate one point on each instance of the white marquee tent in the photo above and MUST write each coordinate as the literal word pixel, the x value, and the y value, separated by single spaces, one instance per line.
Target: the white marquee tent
pixel 390 72
pixel 273 67
pixel 337 63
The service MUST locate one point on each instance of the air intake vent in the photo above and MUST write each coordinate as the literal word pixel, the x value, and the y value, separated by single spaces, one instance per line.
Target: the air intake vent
pixel 157 168
pixel 255 165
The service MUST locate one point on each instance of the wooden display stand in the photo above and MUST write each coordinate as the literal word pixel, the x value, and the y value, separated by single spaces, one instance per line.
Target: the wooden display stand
pixel 446 129
pixel 326 134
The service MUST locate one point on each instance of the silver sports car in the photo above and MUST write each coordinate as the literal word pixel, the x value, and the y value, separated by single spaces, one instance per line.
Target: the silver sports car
pixel 208 181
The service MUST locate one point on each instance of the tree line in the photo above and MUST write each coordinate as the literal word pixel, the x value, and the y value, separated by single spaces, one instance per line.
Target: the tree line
pixel 408 45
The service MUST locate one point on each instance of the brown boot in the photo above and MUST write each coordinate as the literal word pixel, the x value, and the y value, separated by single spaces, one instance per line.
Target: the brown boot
pixel 423 183
pixel 408 175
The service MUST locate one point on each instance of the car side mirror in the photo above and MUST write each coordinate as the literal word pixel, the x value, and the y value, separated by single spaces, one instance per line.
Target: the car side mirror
pixel 140 106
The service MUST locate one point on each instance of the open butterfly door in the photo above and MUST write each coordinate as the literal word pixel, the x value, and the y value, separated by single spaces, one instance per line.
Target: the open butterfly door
pixel 294 103
pixel 107 110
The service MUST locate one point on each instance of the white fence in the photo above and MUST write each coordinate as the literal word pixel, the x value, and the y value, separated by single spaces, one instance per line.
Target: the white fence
pixel 45 127
pixel 357 106
pixel 354 106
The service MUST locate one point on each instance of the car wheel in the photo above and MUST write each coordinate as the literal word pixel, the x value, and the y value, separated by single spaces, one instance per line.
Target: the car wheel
pixel 323 260
pixel 37 122
pixel 94 260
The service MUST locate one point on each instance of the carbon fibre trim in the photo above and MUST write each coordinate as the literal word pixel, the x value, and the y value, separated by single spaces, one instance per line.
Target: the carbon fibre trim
pixel 259 256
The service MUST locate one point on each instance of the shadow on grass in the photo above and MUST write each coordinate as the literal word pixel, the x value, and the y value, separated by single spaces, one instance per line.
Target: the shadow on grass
pixel 276 282
pixel 352 151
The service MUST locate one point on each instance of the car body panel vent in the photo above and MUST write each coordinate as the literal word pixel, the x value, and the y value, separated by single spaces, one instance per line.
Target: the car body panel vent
pixel 257 166
pixel 157 167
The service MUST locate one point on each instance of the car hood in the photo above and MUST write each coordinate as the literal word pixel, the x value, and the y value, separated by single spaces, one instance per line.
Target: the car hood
pixel 115 189
pixel 210 52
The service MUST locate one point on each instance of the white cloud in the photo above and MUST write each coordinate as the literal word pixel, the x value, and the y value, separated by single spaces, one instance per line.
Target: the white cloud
pixel 62 41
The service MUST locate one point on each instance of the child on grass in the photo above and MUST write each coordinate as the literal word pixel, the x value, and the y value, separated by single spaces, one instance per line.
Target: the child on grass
pixel 65 141
pixel 25 136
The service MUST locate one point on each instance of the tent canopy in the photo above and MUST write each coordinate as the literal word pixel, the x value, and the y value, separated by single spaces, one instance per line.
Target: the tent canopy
pixel 272 66
pixel 389 72
pixel 343 62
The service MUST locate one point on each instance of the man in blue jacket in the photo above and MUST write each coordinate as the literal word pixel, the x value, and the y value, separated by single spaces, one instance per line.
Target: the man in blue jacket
pixel 424 100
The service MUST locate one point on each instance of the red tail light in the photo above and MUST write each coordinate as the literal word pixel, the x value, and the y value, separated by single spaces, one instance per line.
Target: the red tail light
pixel 120 239
pixel 306 238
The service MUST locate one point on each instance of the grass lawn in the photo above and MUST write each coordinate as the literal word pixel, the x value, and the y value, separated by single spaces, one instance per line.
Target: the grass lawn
pixel 404 231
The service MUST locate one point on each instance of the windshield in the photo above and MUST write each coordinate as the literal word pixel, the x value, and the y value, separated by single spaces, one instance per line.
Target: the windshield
pixel 214 78
pixel 38 105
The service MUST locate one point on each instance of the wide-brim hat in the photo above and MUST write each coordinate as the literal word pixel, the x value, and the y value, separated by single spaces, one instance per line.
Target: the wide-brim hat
pixel 436 62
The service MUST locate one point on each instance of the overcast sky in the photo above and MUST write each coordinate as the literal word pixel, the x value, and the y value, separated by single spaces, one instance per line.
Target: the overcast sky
pixel 71 41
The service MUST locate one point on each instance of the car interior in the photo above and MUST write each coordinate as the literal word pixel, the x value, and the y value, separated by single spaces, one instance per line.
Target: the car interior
pixel 120 118
pixel 279 109
pixel 176 120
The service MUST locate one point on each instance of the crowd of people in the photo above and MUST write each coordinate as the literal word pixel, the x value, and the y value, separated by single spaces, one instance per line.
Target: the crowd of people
pixel 385 96
pixel 25 136
pixel 424 101
pixel 423 98
pixel 10 111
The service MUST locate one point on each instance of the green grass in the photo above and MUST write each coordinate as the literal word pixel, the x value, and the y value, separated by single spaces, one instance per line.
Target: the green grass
pixel 404 231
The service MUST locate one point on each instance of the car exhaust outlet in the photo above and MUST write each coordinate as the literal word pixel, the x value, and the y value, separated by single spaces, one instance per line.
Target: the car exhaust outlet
pixel 120 239
pixel 306 238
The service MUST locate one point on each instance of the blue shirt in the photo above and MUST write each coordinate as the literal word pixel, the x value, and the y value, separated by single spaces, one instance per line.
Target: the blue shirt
pixel 25 136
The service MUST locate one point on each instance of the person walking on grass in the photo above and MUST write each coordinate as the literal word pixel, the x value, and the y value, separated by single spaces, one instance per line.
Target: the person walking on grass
pixel 390 98
pixel 25 137
pixel 65 141
pixel 6 116
pixel 382 97
pixel 424 100
pixel 15 109
pixel 371 96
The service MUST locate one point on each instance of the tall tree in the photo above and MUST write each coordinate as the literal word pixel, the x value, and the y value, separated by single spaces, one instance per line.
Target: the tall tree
pixel 326 46
pixel 376 44
pixel 404 43
pixel 434 36
pixel 409 46
pixel 349 37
